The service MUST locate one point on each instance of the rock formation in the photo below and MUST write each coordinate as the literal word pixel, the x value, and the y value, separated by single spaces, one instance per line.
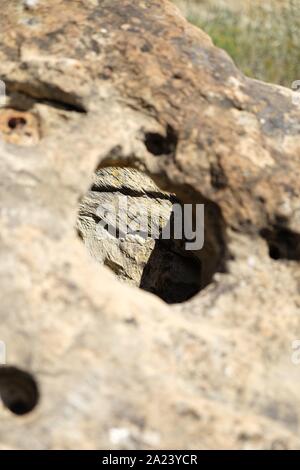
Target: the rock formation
pixel 122 221
pixel 91 361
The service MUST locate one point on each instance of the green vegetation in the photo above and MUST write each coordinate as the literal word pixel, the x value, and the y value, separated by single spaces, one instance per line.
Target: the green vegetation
pixel 264 42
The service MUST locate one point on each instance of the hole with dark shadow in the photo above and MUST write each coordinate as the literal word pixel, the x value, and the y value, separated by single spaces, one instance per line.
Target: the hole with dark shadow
pixel 18 390
pixel 282 242
pixel 16 123
pixel 174 277
pixel 158 144
pixel 163 258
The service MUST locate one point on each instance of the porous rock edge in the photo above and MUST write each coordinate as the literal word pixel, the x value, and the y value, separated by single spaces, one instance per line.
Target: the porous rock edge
pixel 116 367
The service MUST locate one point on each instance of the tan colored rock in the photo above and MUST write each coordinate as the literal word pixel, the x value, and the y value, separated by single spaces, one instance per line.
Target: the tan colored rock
pixel 19 127
pixel 127 223
pixel 116 219
pixel 129 83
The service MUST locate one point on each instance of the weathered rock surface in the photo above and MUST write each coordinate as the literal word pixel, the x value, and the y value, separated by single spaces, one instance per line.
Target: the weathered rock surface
pixel 109 218
pixel 126 83
pixel 122 221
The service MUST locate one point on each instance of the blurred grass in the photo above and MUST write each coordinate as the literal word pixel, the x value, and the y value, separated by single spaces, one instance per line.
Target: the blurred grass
pixel 263 38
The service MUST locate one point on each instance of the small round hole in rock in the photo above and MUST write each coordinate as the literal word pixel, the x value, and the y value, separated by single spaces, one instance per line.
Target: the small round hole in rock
pixel 18 390
pixel 283 243
pixel 19 127
pixel 155 258
pixel 158 144
pixel 16 123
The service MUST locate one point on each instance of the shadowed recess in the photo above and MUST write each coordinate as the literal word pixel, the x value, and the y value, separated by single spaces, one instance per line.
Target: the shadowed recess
pixel 173 267
pixel 158 144
pixel 282 242
pixel 18 390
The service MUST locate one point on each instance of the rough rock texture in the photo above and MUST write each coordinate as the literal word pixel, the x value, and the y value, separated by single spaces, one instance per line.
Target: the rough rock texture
pixel 122 219
pixel 127 83
pixel 118 199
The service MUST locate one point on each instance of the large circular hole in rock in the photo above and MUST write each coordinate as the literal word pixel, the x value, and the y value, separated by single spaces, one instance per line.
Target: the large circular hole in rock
pixel 18 390
pixel 128 224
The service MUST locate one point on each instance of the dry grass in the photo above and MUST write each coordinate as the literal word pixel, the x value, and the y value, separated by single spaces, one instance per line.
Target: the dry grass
pixel 263 37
